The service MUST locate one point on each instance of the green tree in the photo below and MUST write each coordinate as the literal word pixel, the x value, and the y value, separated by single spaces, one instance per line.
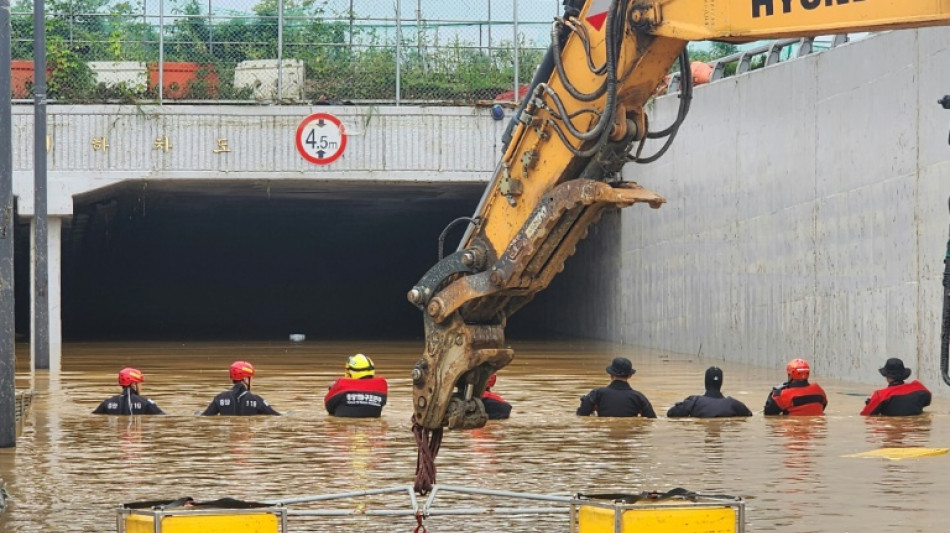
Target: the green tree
pixel 713 52
pixel 344 57
pixel 709 52
pixel 21 22
pixel 189 38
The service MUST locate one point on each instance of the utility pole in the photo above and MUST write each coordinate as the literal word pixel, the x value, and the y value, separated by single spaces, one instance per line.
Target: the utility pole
pixel 39 336
pixel 7 310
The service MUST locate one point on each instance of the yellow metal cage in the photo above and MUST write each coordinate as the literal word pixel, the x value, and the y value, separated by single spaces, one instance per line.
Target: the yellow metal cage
pixel 675 515
pixel 183 520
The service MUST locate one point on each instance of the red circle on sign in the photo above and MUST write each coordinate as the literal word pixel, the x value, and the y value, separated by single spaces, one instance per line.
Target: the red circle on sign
pixel 314 157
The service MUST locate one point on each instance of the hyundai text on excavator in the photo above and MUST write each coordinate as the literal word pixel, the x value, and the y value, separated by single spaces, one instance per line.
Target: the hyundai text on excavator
pixel 582 120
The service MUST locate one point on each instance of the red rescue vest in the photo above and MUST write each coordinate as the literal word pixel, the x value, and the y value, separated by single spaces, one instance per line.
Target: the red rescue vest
pixel 492 396
pixel 377 384
pixel 802 401
pixel 882 395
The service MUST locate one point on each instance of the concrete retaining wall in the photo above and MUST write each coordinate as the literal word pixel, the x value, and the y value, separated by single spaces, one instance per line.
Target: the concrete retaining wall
pixel 807 216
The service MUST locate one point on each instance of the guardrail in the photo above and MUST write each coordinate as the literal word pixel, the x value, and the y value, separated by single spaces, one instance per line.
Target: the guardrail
pixel 761 56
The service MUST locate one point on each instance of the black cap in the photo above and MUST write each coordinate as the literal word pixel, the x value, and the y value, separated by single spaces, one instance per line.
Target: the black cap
pixel 894 368
pixel 713 378
pixel 621 367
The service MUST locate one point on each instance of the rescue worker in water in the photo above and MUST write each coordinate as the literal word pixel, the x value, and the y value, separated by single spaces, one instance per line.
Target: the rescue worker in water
pixel 898 398
pixel 796 396
pixel 359 393
pixel 618 398
pixel 238 401
pixel 495 406
pixel 130 402
pixel 712 404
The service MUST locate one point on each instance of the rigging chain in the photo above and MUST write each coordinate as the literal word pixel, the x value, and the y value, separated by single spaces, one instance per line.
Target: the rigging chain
pixel 428 442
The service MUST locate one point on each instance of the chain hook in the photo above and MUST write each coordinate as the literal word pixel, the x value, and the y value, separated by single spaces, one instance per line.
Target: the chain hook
pixel 420 528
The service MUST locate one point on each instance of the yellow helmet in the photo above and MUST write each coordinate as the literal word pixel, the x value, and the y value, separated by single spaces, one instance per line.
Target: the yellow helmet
pixel 359 366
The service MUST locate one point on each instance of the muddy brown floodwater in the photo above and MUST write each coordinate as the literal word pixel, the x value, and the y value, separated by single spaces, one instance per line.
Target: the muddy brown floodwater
pixel 71 469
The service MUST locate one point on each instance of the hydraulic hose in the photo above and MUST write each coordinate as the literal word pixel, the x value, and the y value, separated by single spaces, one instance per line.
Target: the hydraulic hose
pixel 473 221
pixel 945 330
pixel 614 35
pixel 541 75
pixel 686 96
pixel 565 80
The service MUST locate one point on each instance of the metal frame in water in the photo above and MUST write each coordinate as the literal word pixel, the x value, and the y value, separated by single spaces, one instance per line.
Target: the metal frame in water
pixel 158 515
pixel 665 510
pixel 280 507
pixel 427 509
pixel 570 505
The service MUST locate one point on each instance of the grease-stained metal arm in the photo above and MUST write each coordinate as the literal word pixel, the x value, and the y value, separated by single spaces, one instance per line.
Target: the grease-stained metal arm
pixel 563 153
pixel 559 174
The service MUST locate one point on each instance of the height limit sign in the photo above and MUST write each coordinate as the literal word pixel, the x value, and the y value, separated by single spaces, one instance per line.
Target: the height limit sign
pixel 321 138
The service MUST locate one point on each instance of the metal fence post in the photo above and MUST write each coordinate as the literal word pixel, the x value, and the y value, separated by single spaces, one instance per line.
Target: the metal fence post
pixel 489 29
pixel 516 49
pixel 7 314
pixel 280 50
pixel 210 30
pixel 161 49
pixel 398 49
pixel 39 336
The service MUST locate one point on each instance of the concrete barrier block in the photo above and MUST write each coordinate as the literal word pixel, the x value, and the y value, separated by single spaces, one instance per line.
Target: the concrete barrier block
pixel 262 77
pixel 131 74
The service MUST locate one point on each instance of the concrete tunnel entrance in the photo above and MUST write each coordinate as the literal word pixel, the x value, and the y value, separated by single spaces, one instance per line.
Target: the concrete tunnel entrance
pixel 252 260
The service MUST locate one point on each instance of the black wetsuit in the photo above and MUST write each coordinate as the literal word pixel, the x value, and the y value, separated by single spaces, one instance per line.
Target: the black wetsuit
pixel 239 402
pixel 495 406
pixel 710 405
pixel 616 399
pixel 128 403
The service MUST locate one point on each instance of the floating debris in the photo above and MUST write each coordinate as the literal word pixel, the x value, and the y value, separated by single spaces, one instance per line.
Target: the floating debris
pixel 896 454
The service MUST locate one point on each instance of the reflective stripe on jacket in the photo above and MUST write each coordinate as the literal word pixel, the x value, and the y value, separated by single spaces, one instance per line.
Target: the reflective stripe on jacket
pixel 238 402
pixel 128 403
pixel 357 398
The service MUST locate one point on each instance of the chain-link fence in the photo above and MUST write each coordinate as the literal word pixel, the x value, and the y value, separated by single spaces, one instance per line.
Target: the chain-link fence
pixel 284 50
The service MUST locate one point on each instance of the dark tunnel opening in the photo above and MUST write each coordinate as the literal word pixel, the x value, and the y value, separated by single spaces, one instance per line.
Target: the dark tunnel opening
pixel 21 274
pixel 252 261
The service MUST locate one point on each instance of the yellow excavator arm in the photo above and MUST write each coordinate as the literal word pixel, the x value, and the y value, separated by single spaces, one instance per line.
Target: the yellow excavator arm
pixel 580 123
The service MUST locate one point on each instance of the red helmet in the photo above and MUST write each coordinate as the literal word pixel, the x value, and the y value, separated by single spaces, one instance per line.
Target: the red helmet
pixel 240 370
pixel 491 381
pixel 128 376
pixel 798 369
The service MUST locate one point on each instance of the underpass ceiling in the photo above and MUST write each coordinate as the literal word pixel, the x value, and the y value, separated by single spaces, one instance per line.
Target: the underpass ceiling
pixel 393 196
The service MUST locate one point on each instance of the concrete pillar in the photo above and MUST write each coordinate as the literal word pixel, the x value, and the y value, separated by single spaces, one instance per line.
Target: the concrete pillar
pixel 54 292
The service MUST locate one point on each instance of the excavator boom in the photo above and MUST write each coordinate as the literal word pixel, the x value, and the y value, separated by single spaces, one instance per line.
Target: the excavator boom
pixel 752 20
pixel 582 120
